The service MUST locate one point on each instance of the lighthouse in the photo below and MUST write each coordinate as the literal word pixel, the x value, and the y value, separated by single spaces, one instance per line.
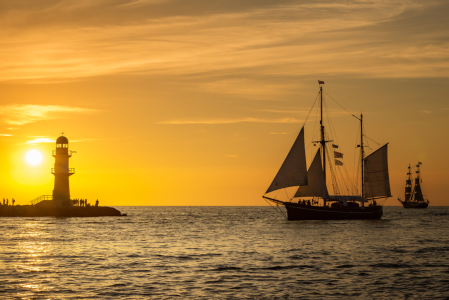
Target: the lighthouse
pixel 62 172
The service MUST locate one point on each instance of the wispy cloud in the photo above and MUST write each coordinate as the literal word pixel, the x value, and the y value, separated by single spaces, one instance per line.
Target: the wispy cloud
pixel 285 111
pixel 40 140
pixel 4 134
pixel 232 121
pixel 50 140
pixel 24 114
pixel 281 39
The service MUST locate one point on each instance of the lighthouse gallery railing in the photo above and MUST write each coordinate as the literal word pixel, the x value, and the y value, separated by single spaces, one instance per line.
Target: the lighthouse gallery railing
pixel 70 171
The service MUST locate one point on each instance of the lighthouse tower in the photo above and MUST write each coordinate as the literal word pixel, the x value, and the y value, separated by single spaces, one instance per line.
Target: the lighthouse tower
pixel 62 172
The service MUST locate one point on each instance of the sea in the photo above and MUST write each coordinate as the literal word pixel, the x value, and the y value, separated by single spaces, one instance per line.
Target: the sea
pixel 226 253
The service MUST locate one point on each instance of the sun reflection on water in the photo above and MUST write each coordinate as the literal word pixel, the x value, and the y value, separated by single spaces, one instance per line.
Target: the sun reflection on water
pixel 33 261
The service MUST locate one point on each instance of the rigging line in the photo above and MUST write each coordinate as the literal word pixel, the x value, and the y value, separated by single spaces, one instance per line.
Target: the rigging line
pixel 371 139
pixel 342 106
pixel 355 179
pixel 341 179
pixel 351 181
pixel 313 132
pixel 333 132
pixel 311 109
pixel 282 214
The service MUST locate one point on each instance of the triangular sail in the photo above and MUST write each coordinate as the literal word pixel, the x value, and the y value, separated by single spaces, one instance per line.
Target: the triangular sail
pixel 317 183
pixel 376 178
pixel 293 171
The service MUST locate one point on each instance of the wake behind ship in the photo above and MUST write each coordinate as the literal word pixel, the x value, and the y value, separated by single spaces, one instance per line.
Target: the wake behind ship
pixel 312 200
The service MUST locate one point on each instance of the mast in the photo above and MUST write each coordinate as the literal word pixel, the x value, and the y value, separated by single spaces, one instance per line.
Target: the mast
pixel 362 154
pixel 323 142
pixel 408 186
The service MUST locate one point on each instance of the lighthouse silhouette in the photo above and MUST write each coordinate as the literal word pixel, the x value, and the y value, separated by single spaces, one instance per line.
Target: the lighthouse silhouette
pixel 62 172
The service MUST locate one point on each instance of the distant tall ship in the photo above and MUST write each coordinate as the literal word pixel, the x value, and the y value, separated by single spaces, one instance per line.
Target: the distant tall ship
pixel 414 198
pixel 311 200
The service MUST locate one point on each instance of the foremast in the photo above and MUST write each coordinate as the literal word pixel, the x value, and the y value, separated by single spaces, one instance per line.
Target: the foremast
pixel 323 140
pixel 408 186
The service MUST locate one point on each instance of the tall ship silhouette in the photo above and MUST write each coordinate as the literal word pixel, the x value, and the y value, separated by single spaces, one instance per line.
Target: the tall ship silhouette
pixel 311 199
pixel 414 198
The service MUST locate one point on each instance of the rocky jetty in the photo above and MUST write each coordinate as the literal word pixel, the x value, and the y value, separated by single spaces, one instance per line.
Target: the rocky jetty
pixel 50 211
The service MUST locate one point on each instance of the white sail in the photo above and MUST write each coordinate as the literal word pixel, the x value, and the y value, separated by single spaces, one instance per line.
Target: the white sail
pixel 293 171
pixel 376 178
pixel 316 183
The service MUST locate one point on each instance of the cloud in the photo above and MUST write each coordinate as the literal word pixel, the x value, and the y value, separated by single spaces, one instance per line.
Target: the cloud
pixel 4 134
pixel 285 111
pixel 231 121
pixel 40 140
pixel 65 40
pixel 24 114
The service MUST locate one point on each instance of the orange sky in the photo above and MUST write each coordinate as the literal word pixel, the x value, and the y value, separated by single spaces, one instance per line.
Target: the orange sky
pixel 171 102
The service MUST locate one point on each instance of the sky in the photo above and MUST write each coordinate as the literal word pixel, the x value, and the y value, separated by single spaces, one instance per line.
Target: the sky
pixel 174 102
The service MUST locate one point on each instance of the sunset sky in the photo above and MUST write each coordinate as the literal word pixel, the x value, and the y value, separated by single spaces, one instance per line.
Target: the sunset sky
pixel 195 102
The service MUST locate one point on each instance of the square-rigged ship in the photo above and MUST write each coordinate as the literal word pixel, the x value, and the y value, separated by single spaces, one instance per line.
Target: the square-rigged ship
pixel 414 198
pixel 312 200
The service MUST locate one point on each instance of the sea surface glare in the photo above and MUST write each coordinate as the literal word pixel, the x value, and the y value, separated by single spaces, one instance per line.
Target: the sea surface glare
pixel 225 253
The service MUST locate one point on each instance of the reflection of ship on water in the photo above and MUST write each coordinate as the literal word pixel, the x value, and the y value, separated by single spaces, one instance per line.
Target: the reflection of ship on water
pixel 414 198
pixel 59 203
pixel 311 183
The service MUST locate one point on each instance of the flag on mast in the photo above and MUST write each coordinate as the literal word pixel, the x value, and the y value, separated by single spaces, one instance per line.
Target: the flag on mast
pixel 320 82
pixel 338 154
pixel 338 163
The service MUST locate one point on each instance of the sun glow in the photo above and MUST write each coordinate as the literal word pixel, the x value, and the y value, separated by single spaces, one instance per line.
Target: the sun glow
pixel 33 157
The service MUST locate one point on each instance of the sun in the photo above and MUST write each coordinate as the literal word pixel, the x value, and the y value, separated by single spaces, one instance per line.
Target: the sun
pixel 33 157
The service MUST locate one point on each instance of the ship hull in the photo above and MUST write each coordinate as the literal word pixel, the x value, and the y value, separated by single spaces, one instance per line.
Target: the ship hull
pixel 414 204
pixel 297 211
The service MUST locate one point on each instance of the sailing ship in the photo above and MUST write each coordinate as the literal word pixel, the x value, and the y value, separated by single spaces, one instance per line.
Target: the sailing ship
pixel 312 200
pixel 414 198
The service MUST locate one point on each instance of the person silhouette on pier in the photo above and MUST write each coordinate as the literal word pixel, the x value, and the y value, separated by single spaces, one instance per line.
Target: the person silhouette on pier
pixel 13 201
pixel 3 201
pixel 96 203
pixel 7 202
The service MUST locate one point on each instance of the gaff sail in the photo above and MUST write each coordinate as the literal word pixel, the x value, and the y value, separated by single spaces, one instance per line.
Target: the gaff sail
pixel 293 171
pixel 376 178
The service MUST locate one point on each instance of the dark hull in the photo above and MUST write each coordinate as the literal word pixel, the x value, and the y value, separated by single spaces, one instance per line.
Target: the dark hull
pixel 297 211
pixel 414 204
pixel 40 211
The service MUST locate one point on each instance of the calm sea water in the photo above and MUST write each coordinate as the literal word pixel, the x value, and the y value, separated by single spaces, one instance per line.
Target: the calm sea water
pixel 225 253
